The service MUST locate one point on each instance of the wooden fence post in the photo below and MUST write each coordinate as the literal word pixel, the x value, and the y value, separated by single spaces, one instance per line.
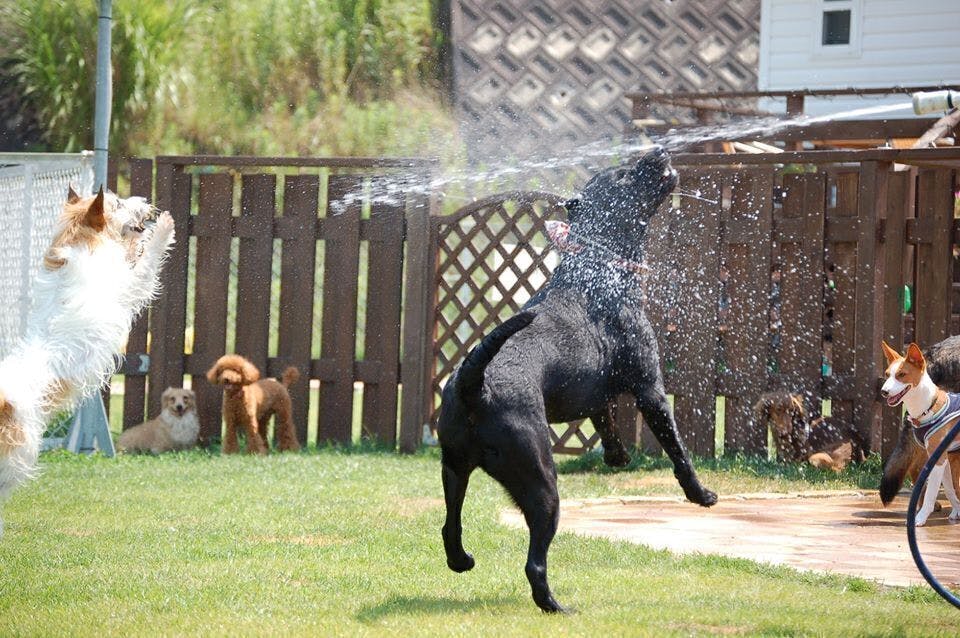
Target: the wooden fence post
pixel 212 228
pixel 934 270
pixel 749 226
pixel 135 386
pixel 417 324
pixel 298 230
pixel 799 232
pixel 168 318
pixel 871 208
pixel 338 344
pixel 900 198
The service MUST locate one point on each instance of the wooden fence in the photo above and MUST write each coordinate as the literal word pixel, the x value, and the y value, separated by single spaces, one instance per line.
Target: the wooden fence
pixel 285 261
pixel 278 259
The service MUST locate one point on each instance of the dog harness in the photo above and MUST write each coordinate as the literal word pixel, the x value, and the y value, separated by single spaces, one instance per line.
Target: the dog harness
pixel 566 242
pixel 925 428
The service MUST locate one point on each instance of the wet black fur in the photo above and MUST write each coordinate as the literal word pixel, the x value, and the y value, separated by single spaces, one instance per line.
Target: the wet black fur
pixel 943 366
pixel 582 340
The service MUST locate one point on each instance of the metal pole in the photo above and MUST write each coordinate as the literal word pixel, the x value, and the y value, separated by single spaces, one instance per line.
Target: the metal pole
pixel 101 118
pixel 90 429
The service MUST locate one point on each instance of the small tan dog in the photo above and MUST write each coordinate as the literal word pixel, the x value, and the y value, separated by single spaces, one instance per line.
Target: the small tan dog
pixel 176 428
pixel 249 402
pixel 824 442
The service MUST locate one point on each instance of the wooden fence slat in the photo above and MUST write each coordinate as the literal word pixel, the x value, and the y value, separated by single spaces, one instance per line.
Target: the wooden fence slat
pixel 135 386
pixel 382 330
pixel 254 271
pixel 168 319
pixel 746 342
pixel 300 201
pixel 801 288
pixel 212 230
pixel 871 206
pixel 841 253
pixel 696 246
pixel 340 274
pixel 934 269
pixel 900 195
pixel 419 321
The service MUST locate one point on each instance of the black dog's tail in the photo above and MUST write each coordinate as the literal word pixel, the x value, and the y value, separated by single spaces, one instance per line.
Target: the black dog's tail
pixel 898 464
pixel 470 376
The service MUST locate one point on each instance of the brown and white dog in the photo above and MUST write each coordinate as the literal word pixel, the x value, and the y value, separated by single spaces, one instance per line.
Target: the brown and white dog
pixel 176 428
pixel 931 411
pixel 101 269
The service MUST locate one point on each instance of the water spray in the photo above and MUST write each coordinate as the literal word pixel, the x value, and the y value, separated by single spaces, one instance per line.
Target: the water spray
pixel 925 102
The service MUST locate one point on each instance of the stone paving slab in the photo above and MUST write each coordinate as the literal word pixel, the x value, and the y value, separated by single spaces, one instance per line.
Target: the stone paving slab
pixel 845 532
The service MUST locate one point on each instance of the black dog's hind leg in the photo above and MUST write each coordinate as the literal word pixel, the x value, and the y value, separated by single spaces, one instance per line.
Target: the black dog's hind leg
pixel 652 402
pixel 455 480
pixel 614 452
pixel 529 476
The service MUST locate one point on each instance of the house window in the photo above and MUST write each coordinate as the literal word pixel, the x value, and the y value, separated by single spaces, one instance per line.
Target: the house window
pixel 837 27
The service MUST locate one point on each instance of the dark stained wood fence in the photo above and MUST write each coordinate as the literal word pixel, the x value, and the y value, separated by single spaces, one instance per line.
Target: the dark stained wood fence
pixel 785 274
pixel 258 239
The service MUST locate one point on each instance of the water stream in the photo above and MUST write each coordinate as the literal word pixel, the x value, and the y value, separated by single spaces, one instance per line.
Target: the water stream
pixel 457 183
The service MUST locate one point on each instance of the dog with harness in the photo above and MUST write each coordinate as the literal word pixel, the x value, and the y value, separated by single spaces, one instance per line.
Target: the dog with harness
pixel 931 412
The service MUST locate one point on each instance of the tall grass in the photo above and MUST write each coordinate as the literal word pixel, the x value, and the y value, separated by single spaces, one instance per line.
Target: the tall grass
pixel 268 77
pixel 48 52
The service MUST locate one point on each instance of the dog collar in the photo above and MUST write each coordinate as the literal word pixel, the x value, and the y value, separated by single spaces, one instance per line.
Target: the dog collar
pixel 565 240
pixel 927 413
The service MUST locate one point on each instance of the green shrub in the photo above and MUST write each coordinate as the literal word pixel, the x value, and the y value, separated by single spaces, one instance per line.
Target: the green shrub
pixel 268 77
pixel 48 51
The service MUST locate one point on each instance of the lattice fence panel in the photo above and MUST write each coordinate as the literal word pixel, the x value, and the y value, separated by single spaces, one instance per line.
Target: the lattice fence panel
pixel 537 74
pixel 492 257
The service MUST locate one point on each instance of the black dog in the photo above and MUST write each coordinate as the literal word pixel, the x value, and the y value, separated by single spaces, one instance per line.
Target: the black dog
pixel 581 340
pixel 908 456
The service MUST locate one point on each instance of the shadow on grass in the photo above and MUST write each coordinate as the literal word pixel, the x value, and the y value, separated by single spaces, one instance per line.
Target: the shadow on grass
pixel 411 605
pixel 865 475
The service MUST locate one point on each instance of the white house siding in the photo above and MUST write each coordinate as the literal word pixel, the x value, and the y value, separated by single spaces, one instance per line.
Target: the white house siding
pixel 901 42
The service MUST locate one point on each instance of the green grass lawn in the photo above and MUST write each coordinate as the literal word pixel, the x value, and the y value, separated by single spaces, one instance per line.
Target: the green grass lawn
pixel 347 543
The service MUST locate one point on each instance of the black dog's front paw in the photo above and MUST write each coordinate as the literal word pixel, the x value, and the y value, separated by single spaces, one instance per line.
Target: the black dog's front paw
pixel 616 457
pixel 463 564
pixel 700 495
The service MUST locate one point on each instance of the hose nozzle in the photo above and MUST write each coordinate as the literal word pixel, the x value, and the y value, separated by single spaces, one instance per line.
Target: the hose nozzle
pixel 935 101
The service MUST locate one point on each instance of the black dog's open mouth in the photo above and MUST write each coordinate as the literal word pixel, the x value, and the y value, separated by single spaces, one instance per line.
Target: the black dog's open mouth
pixel 896 399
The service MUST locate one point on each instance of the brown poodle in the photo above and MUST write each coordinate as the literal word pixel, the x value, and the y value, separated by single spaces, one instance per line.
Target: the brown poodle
pixel 249 403
pixel 824 442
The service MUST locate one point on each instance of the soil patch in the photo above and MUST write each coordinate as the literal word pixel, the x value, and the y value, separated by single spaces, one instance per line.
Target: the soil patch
pixel 845 532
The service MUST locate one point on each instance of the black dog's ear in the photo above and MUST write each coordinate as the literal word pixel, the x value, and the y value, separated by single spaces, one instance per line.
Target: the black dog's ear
pixel 573 207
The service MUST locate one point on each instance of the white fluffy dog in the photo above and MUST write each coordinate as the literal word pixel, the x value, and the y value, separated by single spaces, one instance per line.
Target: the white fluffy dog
pixel 100 271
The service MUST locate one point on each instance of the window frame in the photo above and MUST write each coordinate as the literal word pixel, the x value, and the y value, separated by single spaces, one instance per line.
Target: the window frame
pixel 849 50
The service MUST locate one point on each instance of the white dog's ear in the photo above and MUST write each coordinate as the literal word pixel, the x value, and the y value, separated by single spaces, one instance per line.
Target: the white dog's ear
pixel 72 196
pixel 95 217
pixel 915 357
pixel 888 352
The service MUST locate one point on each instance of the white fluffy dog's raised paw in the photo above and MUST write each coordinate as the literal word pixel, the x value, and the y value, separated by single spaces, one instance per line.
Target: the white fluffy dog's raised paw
pixel 163 232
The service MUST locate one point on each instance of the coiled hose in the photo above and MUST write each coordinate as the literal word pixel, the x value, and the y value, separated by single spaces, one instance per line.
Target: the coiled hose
pixel 912 516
